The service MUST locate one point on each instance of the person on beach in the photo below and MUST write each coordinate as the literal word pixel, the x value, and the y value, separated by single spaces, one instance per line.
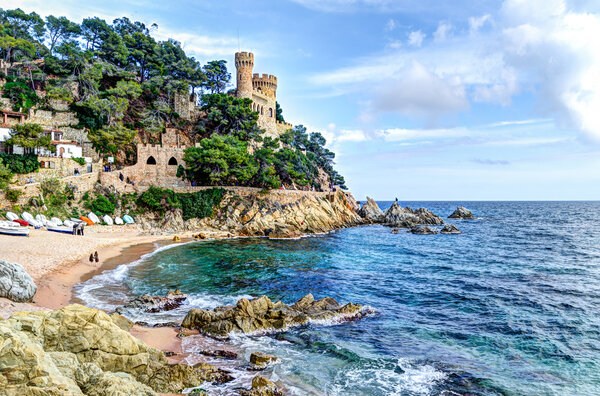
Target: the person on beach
pixel 96 256
pixel 91 257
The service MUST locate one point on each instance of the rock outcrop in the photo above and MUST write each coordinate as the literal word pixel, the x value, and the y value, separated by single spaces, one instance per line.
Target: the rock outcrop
pixel 262 387
pixel 15 282
pixel 262 315
pixel 462 213
pixel 423 230
pixel 275 215
pixel 260 361
pixel 397 216
pixel 153 304
pixel 77 350
pixel 450 229
pixel 371 212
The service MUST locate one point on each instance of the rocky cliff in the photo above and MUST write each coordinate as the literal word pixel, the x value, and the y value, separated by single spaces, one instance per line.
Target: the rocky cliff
pixel 272 215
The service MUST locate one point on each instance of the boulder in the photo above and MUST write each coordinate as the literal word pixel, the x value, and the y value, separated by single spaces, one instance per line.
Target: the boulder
pixel 15 282
pixel 262 387
pixel 262 315
pixel 260 361
pixel 462 213
pixel 423 230
pixel 121 321
pixel 153 304
pixel 370 211
pixel 77 350
pixel 397 216
pixel 450 229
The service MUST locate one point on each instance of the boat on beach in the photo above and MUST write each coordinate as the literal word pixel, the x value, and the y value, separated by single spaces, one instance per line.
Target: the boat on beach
pixel 11 228
pixel 118 221
pixel 61 229
pixel 92 216
pixel 128 219
pixel 87 220
pixel 11 216
pixel 107 219
pixel 56 221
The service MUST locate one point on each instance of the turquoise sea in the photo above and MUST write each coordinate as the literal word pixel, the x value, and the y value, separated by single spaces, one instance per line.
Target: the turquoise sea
pixel 510 307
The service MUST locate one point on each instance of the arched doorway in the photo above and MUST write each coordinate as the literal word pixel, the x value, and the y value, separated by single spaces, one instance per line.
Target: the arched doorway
pixel 151 161
pixel 173 161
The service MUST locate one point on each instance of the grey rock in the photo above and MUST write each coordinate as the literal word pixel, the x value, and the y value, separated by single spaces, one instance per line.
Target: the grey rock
pixel 15 282
pixel 423 230
pixel 450 229
pixel 461 213
pixel 371 211
pixel 397 216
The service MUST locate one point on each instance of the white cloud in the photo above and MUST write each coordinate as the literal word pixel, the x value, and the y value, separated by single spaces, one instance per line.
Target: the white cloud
pixel 402 134
pixel 476 23
pixel 415 38
pixel 442 32
pixel 419 92
pixel 390 25
pixel 351 135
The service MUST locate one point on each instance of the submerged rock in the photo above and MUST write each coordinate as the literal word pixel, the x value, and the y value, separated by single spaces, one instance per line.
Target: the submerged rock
pixel 260 361
pixel 450 229
pixel 262 387
pixel 77 350
pixel 370 211
pixel 15 282
pixel 397 216
pixel 153 304
pixel 220 353
pixel 423 230
pixel 261 314
pixel 462 213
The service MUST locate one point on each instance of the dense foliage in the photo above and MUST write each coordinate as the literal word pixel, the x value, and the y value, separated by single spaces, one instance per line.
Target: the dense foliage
pixel 102 206
pixel 20 164
pixel 6 176
pixel 193 205
pixel 30 137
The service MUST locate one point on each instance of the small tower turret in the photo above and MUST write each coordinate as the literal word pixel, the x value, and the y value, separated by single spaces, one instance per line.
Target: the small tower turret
pixel 244 63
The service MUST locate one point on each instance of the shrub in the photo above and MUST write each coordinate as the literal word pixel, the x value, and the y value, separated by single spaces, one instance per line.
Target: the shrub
pixel 20 163
pixel 158 200
pixel 79 160
pixel 13 195
pixel 200 204
pixel 101 205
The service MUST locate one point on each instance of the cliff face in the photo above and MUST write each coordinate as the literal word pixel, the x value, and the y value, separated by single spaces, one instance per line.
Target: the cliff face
pixel 273 215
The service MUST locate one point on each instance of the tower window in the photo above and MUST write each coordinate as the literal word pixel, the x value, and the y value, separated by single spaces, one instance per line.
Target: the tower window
pixel 270 112
pixel 172 161
pixel 151 161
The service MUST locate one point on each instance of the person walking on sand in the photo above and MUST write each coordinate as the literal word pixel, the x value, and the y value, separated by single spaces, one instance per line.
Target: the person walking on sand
pixel 96 256
pixel 91 257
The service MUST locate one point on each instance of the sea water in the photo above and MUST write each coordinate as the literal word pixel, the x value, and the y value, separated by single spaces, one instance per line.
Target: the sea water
pixel 509 307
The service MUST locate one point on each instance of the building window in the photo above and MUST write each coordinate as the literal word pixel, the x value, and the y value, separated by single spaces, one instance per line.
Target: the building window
pixel 151 161
pixel 173 161
pixel 270 112
pixel 261 110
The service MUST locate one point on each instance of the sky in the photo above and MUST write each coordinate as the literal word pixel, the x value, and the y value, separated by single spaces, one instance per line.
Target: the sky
pixel 420 99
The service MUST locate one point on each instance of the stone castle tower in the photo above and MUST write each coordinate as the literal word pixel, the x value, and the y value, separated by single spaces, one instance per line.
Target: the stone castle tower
pixel 263 92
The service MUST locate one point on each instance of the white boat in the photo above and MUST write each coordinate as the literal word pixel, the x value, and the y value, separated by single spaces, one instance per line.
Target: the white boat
pixel 27 217
pixel 107 219
pixel 11 216
pixel 63 229
pixel 74 220
pixel 12 230
pixel 128 219
pixel 41 218
pixel 56 221
pixel 118 221
pixel 92 216
pixel 69 223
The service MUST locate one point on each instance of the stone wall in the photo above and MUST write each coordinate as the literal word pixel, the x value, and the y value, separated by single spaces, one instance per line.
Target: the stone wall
pixel 82 183
pixel 53 119
pixel 56 167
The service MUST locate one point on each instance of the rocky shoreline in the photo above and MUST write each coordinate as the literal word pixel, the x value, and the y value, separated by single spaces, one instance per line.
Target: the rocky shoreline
pixel 77 350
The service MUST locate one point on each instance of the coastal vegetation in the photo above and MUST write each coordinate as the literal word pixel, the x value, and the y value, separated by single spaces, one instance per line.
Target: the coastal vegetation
pixel 196 205
pixel 122 83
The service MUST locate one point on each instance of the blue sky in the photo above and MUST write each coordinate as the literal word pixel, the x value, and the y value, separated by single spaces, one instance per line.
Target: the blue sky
pixel 420 99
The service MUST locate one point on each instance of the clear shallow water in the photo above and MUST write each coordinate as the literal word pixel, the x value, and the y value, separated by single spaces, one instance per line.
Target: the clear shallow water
pixel 510 307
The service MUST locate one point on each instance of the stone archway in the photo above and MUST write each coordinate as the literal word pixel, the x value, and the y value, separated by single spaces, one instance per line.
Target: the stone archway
pixel 173 161
pixel 151 161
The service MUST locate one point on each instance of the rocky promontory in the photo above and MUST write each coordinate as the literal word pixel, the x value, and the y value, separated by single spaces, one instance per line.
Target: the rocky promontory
pixel 371 212
pixel 81 351
pixel 262 315
pixel 273 214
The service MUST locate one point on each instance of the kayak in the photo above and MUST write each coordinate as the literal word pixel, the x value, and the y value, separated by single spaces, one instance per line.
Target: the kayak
pixel 86 220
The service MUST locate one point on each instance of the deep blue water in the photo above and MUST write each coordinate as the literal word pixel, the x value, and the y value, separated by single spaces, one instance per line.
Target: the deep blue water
pixel 510 307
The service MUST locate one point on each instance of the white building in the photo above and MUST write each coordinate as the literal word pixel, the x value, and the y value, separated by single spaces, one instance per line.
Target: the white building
pixel 64 148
